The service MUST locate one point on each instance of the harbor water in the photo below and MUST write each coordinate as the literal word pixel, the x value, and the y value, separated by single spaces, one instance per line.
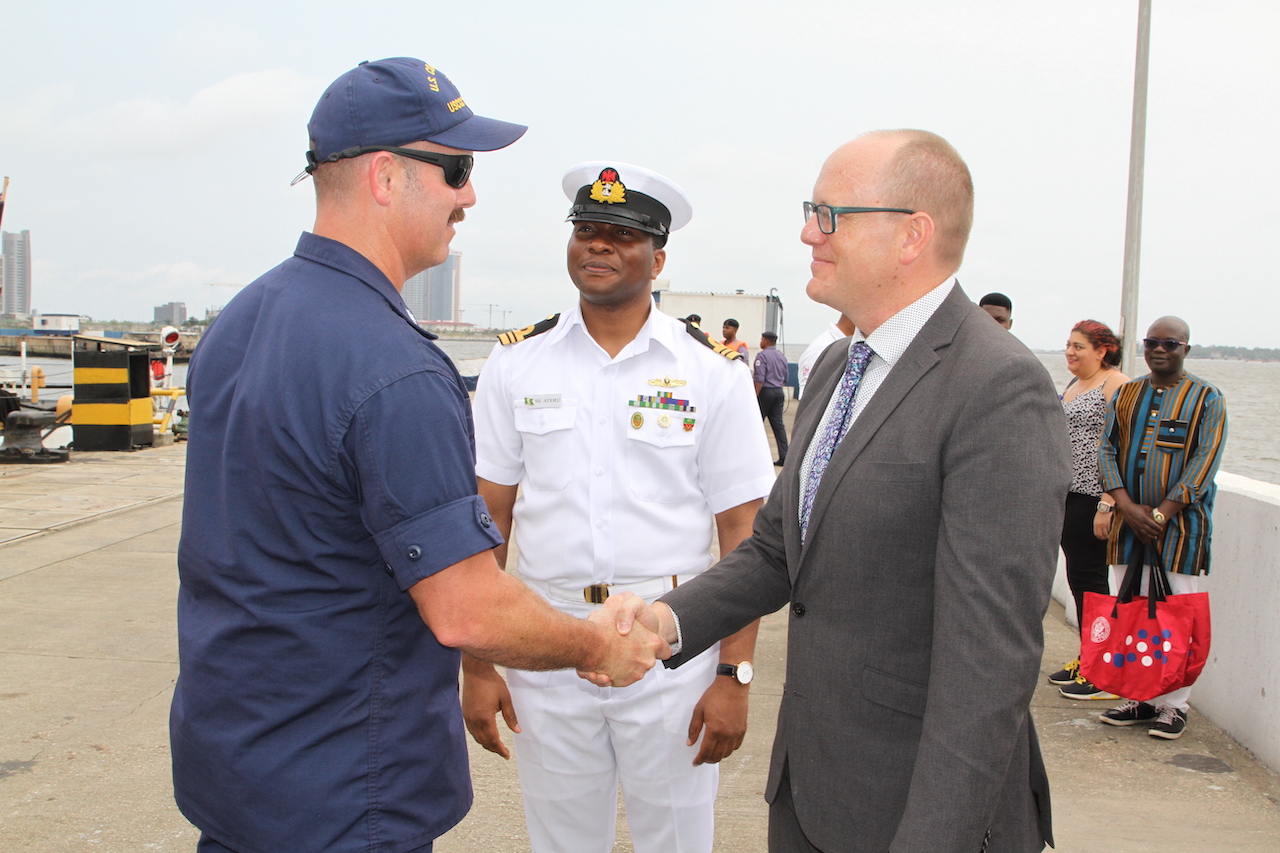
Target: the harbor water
pixel 1252 389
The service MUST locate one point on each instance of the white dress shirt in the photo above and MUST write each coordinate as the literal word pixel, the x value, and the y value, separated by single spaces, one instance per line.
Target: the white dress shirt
pixel 614 490
pixel 888 342
pixel 805 365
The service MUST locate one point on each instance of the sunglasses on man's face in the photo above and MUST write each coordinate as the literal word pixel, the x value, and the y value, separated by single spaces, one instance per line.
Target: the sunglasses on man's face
pixel 457 167
pixel 1166 344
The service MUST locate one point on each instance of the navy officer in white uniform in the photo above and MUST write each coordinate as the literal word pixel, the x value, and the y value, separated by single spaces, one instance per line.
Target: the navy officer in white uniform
pixel 631 435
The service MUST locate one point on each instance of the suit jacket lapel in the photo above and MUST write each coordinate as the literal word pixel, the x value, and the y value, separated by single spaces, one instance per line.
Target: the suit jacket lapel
pixel 918 360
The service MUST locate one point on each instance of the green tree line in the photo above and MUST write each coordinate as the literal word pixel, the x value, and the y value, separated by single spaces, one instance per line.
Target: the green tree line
pixel 1244 353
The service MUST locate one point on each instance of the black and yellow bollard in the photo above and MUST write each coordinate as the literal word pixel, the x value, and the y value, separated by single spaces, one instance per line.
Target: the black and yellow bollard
pixel 112 408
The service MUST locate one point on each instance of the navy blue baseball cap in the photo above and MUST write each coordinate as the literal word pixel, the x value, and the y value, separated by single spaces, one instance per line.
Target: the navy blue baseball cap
pixel 394 102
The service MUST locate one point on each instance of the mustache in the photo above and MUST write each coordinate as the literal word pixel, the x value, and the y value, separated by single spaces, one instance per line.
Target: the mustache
pixel 457 216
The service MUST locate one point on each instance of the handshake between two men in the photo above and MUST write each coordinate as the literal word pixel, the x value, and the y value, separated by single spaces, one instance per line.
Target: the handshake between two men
pixel 656 631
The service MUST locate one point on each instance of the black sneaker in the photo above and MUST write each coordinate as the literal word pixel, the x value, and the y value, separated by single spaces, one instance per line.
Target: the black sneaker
pixel 1131 713
pixel 1170 725
pixel 1066 675
pixel 1082 688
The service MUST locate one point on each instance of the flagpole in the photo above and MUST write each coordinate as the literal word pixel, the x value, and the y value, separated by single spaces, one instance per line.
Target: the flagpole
pixel 1133 218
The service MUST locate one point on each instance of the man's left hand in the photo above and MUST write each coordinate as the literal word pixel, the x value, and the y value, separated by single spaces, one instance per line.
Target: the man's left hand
pixel 723 711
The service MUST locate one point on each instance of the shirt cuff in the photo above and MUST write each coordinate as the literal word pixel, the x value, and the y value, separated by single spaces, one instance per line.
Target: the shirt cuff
pixel 679 643
pixel 497 474
pixel 742 493
pixel 443 536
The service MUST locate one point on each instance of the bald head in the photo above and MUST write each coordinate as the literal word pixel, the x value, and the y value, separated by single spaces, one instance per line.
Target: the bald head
pixel 925 173
pixel 1170 327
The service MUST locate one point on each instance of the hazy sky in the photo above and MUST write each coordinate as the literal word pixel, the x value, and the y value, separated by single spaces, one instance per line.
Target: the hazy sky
pixel 151 145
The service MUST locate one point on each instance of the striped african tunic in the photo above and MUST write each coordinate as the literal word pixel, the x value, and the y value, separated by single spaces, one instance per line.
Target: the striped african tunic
pixel 1165 443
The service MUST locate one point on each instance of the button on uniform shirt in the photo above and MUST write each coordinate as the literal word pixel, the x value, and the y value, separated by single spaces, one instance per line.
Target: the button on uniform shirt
pixel 771 368
pixel 888 342
pixel 1162 443
pixel 330 468
pixel 618 486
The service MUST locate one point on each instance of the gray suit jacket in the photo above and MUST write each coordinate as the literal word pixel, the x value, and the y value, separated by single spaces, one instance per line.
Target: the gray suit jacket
pixel 916 602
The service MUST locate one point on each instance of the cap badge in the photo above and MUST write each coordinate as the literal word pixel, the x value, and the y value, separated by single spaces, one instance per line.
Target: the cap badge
pixel 608 188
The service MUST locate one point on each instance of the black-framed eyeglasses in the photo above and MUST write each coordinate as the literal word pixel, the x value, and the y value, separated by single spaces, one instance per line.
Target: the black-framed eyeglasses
pixel 827 214
pixel 457 167
pixel 1166 344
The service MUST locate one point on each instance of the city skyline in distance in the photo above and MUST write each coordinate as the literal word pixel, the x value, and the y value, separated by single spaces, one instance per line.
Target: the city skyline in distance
pixel 150 163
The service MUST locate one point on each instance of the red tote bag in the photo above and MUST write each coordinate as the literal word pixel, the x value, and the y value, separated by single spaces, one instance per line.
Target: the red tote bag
pixel 1142 647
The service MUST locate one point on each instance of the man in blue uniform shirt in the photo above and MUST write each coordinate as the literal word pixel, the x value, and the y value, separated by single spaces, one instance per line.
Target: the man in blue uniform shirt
pixel 330 472
pixel 770 374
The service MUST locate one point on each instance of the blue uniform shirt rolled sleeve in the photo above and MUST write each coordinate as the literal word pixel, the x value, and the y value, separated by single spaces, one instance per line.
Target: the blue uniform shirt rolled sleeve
pixel 419 547
pixel 411 449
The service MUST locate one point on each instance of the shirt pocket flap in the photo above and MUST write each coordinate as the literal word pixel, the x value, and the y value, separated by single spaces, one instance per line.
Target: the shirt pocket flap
pixel 1171 434
pixel 543 421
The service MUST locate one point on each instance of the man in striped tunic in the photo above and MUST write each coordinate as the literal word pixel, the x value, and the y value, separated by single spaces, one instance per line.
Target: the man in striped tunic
pixel 1160 450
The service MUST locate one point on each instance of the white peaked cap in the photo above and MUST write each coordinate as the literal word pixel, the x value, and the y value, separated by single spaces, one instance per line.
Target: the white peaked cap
pixel 579 180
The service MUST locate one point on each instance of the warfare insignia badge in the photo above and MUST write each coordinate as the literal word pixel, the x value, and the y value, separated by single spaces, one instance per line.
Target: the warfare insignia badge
pixel 608 188
pixel 668 382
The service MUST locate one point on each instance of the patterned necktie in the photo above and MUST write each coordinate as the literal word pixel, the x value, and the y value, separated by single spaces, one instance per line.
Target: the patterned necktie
pixel 837 425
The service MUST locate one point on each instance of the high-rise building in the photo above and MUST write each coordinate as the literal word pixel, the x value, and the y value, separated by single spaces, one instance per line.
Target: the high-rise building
pixel 171 313
pixel 16 299
pixel 435 294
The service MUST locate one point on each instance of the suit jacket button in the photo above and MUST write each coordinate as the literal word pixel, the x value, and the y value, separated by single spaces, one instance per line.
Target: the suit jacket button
pixel 798 608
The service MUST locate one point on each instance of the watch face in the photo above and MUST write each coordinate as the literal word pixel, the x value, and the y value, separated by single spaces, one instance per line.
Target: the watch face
pixel 746 672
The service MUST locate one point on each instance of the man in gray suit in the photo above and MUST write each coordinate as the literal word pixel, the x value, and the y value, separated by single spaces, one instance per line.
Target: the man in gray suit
pixel 913 533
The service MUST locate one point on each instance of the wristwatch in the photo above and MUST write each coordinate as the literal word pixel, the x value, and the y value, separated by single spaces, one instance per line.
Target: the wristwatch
pixel 1103 506
pixel 1158 516
pixel 742 672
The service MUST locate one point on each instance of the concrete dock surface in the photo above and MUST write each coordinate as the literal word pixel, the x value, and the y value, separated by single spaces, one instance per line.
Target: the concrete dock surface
pixel 88 658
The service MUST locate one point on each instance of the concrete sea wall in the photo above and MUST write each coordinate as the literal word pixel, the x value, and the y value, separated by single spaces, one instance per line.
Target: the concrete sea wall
pixel 38 346
pixel 1240 687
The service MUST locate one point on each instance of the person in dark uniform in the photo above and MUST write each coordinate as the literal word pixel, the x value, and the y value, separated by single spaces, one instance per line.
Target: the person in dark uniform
pixel 770 376
pixel 334 559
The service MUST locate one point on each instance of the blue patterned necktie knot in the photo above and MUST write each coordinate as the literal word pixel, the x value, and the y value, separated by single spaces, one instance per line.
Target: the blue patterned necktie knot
pixel 835 428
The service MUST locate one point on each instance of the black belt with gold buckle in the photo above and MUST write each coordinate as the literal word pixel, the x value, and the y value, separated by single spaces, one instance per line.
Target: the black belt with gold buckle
pixel 599 592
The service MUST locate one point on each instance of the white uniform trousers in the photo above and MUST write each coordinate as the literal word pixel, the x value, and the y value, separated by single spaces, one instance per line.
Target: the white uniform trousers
pixel 578 741
pixel 1179 584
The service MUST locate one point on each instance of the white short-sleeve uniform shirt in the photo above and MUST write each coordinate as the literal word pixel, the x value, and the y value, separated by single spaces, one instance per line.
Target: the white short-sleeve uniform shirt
pixel 622 462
